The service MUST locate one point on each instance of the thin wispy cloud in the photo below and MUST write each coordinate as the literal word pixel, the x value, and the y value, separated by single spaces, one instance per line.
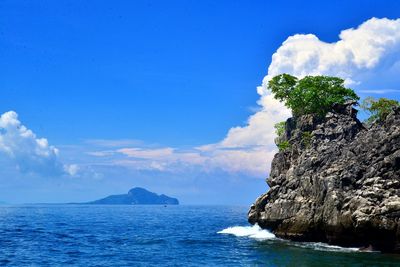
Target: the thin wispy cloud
pixel 207 158
pixel 381 91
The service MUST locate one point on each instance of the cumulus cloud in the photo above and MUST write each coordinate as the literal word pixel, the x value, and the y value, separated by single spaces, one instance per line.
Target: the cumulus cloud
pixel 362 56
pixel 29 153
pixel 371 48
pixel 251 160
pixel 366 57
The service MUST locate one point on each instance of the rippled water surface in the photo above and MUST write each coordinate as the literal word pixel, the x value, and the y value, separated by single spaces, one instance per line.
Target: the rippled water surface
pixel 58 235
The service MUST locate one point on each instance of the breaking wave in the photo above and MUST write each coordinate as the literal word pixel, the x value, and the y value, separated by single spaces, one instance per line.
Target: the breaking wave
pixel 254 231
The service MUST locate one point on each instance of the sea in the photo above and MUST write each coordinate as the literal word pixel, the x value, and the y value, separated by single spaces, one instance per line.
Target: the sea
pixel 91 235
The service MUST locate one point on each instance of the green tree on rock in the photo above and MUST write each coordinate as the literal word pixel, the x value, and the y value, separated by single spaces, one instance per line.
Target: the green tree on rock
pixel 378 108
pixel 311 94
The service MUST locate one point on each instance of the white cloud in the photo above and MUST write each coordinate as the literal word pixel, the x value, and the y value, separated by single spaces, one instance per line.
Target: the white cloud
pixel 371 48
pixel 160 153
pixel 366 57
pixel 29 153
pixel 380 91
pixel 361 56
pixel 101 153
pixel 71 169
pixel 166 159
pixel 250 160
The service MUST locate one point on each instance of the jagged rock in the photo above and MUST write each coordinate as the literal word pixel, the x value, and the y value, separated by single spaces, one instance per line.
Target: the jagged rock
pixel 342 186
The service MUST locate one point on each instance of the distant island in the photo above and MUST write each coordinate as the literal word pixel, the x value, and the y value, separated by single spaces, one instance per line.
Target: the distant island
pixel 137 196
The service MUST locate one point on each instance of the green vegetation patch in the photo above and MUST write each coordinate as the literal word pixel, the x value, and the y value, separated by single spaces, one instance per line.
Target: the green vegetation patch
pixel 378 108
pixel 280 128
pixel 312 94
pixel 283 146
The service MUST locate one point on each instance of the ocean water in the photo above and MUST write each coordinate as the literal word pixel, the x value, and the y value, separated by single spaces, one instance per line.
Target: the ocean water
pixel 84 235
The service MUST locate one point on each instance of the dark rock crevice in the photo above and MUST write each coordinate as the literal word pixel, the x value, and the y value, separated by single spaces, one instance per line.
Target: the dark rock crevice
pixel 343 187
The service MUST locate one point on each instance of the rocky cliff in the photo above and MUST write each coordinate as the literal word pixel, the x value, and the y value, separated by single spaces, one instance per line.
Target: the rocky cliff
pixel 337 181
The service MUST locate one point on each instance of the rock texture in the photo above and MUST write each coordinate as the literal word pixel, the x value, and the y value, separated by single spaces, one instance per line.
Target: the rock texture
pixel 338 182
pixel 137 196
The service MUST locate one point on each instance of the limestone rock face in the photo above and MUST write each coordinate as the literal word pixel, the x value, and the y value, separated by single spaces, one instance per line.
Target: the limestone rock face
pixel 338 182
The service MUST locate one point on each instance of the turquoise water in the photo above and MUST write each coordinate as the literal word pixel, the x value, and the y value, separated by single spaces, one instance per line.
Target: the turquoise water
pixel 80 235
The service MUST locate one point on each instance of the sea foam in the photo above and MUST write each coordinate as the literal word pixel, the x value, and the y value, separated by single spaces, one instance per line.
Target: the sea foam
pixel 254 231
pixel 325 247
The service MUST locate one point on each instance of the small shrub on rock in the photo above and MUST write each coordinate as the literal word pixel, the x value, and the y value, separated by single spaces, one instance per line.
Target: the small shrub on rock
pixel 283 146
pixel 378 108
pixel 280 128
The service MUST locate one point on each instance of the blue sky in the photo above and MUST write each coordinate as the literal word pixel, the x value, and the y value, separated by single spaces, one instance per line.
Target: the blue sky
pixel 144 93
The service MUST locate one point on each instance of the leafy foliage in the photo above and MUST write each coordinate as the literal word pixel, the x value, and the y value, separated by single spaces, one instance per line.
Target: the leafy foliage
pixel 310 95
pixel 283 146
pixel 378 108
pixel 280 128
